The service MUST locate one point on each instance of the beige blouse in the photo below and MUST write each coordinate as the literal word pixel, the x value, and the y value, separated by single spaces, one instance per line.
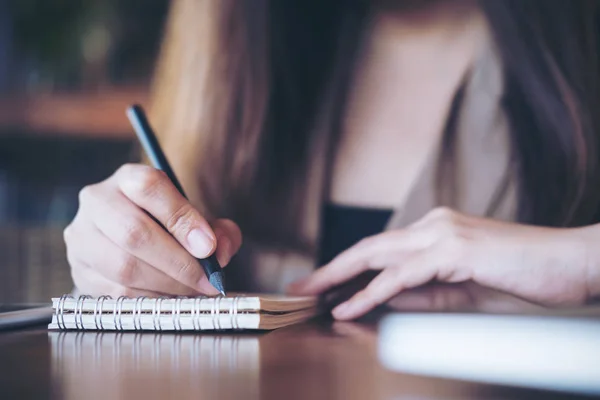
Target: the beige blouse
pixel 482 164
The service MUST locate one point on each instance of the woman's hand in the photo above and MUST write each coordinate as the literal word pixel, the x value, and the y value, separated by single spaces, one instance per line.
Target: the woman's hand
pixel 461 297
pixel 115 247
pixel 543 265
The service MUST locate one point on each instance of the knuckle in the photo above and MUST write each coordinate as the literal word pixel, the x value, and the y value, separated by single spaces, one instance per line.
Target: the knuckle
pixel 442 213
pixel 126 270
pixel 143 180
pixel 150 180
pixel 134 235
pixel 87 193
pixel 127 169
pixel 182 219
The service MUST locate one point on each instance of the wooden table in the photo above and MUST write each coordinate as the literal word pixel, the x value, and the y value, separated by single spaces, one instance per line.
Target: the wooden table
pixel 320 359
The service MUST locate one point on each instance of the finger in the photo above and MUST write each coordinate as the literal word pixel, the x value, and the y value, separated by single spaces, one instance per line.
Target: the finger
pixel 99 254
pixel 154 192
pixel 371 253
pixel 136 233
pixel 341 293
pixel 229 240
pixel 92 283
pixel 420 269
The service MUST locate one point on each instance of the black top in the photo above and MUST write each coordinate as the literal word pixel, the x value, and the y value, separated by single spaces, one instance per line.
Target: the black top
pixel 344 226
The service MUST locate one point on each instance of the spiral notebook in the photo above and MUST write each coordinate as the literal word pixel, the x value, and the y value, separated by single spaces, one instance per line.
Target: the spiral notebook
pixel 233 312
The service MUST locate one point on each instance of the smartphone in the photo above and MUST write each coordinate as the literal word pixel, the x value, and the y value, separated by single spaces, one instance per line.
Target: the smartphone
pixel 14 316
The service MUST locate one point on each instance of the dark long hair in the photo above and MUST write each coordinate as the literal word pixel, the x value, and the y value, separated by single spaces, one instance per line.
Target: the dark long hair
pixel 253 77
pixel 551 61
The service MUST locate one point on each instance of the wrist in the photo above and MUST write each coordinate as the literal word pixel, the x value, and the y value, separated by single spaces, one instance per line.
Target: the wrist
pixel 588 245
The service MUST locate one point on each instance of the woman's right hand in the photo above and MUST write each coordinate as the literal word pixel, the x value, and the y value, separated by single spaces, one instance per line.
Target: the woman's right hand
pixel 115 248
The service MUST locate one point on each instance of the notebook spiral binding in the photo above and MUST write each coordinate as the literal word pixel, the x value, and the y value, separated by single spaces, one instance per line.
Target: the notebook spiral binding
pixel 177 314
pixel 99 306
pixel 60 311
pixel 137 311
pixel 118 312
pixel 136 314
pixel 79 311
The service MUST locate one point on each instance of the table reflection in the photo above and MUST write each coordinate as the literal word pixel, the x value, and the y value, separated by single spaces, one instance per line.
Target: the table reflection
pixel 147 365
pixel 319 359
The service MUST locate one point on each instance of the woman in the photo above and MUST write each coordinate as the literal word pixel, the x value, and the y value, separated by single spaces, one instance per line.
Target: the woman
pixel 455 141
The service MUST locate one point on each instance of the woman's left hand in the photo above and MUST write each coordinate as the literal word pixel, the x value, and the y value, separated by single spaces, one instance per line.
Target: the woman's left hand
pixel 549 266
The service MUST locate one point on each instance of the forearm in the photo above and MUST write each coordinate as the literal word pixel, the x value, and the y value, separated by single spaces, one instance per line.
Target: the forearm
pixel 588 241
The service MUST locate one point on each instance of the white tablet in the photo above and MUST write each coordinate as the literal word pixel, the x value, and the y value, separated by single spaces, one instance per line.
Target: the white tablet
pixel 553 353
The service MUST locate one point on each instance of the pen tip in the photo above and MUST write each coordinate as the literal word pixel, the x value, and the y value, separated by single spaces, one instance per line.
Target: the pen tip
pixel 216 279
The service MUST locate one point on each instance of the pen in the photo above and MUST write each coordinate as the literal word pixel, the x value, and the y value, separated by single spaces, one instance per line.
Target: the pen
pixel 149 142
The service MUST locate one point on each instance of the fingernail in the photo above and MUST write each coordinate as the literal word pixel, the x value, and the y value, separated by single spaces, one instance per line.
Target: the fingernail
pixel 201 245
pixel 342 311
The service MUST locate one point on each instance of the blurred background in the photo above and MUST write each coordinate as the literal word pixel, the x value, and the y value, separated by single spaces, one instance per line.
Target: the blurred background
pixel 68 69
